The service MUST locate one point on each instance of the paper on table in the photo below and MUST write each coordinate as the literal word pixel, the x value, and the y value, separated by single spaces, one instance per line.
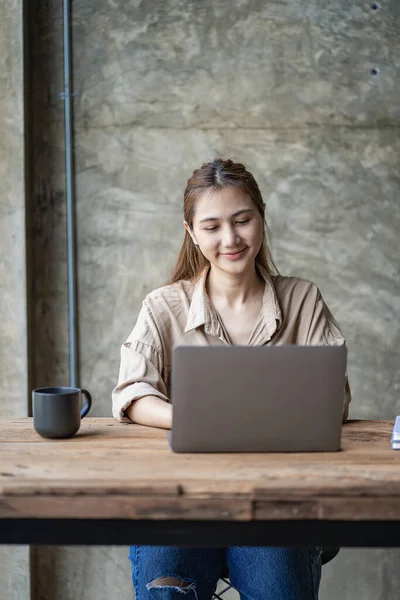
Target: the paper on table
pixel 396 434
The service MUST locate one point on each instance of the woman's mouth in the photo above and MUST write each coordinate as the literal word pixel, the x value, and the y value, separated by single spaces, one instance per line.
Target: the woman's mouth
pixel 234 255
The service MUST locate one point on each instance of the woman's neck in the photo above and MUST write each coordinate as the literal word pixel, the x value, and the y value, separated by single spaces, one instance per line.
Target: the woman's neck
pixel 233 291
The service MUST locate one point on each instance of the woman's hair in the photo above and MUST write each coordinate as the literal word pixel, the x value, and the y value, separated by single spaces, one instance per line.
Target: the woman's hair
pixel 211 177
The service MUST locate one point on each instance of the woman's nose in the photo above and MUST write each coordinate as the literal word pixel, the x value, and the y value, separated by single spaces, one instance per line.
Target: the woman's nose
pixel 230 237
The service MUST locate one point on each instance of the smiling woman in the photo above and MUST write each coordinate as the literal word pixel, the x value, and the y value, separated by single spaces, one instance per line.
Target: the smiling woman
pixel 225 289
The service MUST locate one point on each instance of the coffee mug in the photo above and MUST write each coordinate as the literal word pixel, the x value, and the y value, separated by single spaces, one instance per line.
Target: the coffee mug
pixel 57 411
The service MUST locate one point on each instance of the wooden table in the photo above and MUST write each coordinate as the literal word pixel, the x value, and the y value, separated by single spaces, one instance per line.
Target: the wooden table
pixel 117 484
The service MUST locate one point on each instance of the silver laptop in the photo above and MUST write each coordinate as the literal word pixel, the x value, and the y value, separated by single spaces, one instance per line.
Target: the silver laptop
pixel 257 399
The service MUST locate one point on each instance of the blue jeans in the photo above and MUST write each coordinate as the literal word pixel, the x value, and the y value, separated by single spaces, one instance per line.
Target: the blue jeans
pixel 259 573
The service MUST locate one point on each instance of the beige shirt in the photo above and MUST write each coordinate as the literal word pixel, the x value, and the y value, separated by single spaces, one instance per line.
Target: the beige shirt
pixel 293 312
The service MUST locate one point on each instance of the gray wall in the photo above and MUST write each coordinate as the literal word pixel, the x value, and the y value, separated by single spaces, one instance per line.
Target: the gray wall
pixel 13 344
pixel 14 561
pixel 285 88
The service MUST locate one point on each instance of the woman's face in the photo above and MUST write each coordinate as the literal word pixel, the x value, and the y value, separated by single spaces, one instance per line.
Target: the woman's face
pixel 228 229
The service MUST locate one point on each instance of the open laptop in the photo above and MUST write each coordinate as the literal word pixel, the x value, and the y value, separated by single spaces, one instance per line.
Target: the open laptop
pixel 257 399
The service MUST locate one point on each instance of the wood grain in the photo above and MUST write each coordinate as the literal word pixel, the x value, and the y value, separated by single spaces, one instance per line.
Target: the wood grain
pixel 113 470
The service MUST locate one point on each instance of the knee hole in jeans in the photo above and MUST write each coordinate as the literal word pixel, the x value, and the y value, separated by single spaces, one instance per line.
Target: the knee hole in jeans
pixel 182 585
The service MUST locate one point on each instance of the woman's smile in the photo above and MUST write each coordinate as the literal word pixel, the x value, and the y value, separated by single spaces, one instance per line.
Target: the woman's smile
pixel 234 255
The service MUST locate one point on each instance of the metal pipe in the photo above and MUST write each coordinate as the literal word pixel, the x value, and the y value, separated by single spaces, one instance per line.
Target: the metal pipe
pixel 69 181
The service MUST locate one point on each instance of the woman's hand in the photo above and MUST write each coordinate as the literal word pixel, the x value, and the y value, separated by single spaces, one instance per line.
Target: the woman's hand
pixel 150 411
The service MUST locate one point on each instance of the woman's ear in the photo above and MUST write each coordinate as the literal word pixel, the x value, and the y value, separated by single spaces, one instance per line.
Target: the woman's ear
pixel 190 232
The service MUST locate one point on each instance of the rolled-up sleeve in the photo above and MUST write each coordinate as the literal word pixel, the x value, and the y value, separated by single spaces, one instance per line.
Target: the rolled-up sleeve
pixel 324 330
pixel 141 366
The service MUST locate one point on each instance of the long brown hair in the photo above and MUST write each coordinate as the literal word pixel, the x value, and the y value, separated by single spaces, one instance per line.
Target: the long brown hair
pixel 211 177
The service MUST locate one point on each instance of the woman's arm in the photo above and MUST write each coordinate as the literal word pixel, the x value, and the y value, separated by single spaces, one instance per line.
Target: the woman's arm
pixel 150 411
pixel 323 329
pixel 141 394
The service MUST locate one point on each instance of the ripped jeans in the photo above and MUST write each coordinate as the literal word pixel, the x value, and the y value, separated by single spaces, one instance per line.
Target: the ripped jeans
pixel 257 573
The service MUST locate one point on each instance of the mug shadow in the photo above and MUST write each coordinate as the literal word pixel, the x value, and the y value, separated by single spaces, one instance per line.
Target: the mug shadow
pixel 87 433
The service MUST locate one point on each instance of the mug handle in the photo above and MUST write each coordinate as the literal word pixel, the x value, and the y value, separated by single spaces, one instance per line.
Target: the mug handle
pixel 88 404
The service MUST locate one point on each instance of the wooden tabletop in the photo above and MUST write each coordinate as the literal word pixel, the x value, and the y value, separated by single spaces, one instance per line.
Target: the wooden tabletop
pixel 114 470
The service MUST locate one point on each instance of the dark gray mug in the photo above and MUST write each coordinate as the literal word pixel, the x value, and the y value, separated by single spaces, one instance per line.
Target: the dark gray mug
pixel 57 411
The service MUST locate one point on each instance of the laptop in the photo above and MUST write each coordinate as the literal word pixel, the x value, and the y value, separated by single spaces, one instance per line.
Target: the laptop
pixel 257 399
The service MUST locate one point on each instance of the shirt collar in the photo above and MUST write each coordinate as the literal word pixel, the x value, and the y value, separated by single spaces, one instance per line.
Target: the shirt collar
pixel 202 312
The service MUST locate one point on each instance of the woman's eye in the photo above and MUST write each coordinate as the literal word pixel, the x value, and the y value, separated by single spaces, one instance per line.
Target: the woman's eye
pixel 211 228
pixel 243 222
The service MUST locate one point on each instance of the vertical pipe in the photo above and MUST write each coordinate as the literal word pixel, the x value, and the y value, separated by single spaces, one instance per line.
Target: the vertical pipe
pixel 28 37
pixel 71 235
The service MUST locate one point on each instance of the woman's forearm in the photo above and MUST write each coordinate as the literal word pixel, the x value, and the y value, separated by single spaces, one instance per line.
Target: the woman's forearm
pixel 150 411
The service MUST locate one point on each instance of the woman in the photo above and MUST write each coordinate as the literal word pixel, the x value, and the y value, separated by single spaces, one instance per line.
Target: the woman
pixel 225 289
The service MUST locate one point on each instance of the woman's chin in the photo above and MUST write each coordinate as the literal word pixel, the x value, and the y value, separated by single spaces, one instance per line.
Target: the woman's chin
pixel 235 267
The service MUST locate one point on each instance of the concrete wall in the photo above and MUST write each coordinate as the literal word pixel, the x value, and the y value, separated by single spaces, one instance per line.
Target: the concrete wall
pixel 287 88
pixel 14 561
pixel 48 212
pixel 13 346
